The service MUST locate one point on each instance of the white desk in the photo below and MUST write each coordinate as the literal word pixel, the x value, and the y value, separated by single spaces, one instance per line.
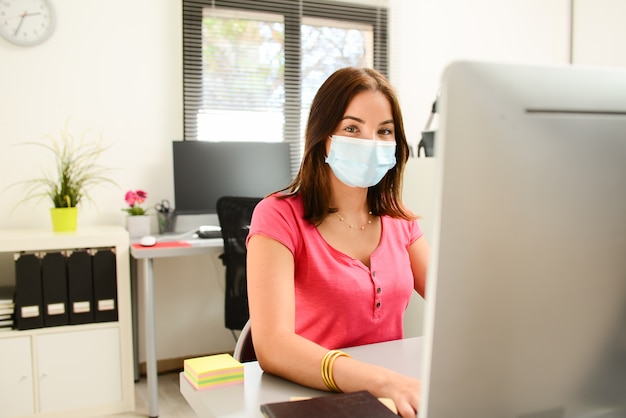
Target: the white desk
pixel 146 255
pixel 244 400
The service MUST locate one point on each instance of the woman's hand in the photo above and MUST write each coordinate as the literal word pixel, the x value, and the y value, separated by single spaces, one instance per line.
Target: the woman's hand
pixel 353 375
pixel 405 392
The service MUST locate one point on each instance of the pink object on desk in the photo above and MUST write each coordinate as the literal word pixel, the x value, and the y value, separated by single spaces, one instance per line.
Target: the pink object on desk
pixel 164 244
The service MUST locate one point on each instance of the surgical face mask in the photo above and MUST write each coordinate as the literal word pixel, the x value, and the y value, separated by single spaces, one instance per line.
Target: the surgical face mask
pixel 360 162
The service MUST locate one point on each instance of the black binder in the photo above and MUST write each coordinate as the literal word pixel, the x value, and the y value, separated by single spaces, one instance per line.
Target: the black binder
pixel 54 283
pixel 105 285
pixel 80 287
pixel 28 292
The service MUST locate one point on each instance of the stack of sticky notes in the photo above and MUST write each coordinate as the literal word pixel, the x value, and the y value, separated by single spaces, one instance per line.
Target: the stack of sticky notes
pixel 213 371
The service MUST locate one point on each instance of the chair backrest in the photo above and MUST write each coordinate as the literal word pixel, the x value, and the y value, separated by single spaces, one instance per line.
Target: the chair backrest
pixel 234 214
pixel 244 349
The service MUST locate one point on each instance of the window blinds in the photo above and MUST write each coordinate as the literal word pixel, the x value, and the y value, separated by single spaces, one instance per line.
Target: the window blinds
pixel 253 86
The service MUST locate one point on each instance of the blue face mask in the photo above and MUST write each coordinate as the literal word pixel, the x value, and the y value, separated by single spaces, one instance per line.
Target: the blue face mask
pixel 360 162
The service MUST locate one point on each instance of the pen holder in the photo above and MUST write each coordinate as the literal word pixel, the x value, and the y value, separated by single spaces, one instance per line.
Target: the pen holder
pixel 166 221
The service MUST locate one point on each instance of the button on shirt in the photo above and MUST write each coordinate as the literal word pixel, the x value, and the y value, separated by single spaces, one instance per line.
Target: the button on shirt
pixel 340 302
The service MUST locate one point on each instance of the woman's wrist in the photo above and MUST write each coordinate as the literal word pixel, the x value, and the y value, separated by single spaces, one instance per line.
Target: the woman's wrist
pixel 352 375
pixel 326 369
pixel 380 381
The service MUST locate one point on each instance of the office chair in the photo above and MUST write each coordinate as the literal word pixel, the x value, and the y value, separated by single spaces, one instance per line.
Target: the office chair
pixel 234 214
pixel 244 349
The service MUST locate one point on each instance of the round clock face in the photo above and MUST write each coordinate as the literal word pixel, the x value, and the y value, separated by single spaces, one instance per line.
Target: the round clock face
pixel 26 22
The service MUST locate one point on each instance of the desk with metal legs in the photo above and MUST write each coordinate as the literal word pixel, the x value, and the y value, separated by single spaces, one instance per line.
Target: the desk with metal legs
pixel 244 400
pixel 145 256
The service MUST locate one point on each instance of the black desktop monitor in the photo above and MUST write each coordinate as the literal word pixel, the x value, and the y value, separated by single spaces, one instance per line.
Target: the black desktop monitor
pixel 526 290
pixel 205 171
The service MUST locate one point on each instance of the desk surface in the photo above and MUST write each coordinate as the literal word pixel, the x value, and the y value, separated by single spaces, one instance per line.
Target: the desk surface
pixel 258 388
pixel 171 247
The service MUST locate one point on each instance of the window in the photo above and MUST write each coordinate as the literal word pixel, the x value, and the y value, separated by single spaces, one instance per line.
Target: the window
pixel 251 68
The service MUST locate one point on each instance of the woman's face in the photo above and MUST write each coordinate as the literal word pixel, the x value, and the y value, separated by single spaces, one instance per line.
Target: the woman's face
pixel 368 116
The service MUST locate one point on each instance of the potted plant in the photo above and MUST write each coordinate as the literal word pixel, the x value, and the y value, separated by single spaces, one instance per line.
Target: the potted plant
pixel 76 172
pixel 138 222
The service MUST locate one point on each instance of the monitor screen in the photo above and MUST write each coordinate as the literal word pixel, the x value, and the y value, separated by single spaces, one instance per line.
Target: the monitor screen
pixel 526 292
pixel 205 171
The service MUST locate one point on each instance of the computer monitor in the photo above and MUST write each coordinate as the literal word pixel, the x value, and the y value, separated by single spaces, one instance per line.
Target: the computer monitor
pixel 206 171
pixel 526 293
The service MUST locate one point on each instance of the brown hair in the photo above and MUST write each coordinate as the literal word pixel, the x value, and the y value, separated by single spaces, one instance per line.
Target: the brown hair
pixel 327 110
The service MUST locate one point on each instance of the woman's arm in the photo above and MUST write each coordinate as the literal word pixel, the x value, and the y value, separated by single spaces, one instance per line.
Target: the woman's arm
pixel 271 298
pixel 419 254
pixel 280 351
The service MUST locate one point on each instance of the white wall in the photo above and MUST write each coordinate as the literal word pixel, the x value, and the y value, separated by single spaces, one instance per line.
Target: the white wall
pixel 115 68
pixel 429 34
pixel 599 32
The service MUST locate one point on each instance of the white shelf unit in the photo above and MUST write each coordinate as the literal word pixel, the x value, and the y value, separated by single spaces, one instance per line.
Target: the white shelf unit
pixel 72 370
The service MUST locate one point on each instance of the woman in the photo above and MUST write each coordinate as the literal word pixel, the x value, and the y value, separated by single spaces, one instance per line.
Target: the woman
pixel 333 262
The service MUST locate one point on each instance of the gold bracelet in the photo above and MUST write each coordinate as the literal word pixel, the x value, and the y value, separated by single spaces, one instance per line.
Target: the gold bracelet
pixel 327 369
pixel 325 375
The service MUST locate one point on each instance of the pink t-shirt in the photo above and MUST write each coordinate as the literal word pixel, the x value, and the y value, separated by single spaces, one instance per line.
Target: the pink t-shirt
pixel 340 302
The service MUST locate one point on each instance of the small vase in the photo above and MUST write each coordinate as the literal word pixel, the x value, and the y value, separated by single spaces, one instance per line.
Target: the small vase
pixel 138 225
pixel 64 219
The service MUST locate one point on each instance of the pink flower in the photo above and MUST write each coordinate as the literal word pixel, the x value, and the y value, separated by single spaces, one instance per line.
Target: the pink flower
pixel 141 196
pixel 134 199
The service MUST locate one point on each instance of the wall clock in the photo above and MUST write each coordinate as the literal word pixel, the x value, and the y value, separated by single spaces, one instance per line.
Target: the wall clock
pixel 26 22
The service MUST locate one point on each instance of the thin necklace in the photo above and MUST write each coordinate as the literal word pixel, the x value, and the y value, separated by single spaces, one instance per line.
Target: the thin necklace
pixel 352 226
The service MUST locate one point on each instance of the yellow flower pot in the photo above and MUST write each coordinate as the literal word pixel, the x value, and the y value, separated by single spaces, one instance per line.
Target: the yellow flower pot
pixel 64 219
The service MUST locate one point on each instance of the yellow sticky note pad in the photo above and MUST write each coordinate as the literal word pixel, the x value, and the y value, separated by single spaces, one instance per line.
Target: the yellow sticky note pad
pixel 213 371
